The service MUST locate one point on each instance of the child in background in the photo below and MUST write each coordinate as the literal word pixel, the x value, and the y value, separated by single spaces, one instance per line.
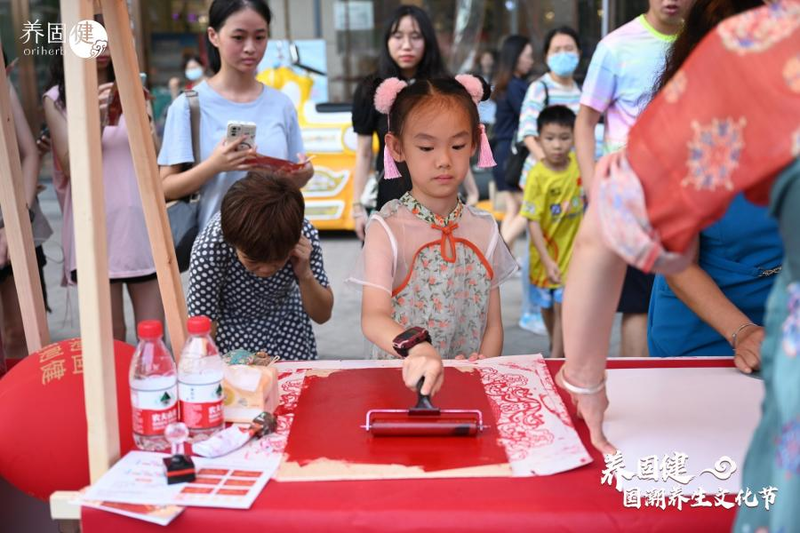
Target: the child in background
pixel 257 271
pixel 431 267
pixel 553 204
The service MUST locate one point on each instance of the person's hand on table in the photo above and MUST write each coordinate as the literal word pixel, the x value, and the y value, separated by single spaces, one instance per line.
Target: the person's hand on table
pixel 747 355
pixel 423 361
pixel 591 408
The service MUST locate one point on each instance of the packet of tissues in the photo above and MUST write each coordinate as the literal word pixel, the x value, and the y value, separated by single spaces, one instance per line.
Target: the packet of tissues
pixel 235 437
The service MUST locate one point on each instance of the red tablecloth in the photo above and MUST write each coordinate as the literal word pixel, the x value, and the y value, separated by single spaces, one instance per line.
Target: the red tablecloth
pixel 572 501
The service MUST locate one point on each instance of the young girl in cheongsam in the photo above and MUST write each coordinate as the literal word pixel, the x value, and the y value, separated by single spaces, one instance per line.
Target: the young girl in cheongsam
pixel 429 261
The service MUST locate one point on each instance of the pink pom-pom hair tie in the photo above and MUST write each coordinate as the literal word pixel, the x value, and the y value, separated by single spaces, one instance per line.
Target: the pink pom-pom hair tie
pixel 385 95
pixel 475 89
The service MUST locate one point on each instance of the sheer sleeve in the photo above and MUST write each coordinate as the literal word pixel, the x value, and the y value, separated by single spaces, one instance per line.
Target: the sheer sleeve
pixel 377 263
pixel 503 263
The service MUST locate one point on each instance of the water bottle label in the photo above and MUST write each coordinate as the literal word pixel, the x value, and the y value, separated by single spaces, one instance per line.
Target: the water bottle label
pixel 201 404
pixel 153 410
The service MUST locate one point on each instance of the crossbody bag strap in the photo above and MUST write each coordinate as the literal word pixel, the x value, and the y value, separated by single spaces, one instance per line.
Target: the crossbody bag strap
pixel 194 121
pixel 546 94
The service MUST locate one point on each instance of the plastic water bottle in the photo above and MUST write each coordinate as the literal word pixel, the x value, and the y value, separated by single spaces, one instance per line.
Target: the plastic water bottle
pixel 200 381
pixel 154 388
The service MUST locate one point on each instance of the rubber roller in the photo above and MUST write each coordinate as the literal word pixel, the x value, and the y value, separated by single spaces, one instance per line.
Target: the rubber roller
pixel 424 420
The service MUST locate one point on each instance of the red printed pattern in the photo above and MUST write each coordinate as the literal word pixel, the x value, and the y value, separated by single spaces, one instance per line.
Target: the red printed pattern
pixel 517 410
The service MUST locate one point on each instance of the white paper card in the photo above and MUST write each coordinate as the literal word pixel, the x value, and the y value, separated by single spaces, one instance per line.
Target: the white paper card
pixel 139 478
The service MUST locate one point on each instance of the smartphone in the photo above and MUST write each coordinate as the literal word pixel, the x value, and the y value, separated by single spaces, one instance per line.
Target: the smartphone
pixel 238 128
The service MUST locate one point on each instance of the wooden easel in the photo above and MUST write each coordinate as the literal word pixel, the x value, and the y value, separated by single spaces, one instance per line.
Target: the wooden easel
pixel 18 226
pixel 100 393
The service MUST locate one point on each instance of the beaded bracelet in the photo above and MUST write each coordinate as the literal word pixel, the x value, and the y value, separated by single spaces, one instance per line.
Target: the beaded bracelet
pixel 574 389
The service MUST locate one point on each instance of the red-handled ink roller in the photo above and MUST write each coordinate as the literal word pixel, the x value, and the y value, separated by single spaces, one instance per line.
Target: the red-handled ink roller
pixel 424 420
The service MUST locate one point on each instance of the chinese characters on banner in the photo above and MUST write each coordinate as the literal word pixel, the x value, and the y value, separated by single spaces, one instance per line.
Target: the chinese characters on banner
pixel 56 360
pixel 87 39
pixel 673 468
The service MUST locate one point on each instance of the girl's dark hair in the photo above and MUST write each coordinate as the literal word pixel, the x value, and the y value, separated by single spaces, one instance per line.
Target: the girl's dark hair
pixel 262 217
pixel 57 77
pixel 219 12
pixel 562 30
pixel 431 65
pixel 430 90
pixel 701 19
pixel 191 57
pixel 512 48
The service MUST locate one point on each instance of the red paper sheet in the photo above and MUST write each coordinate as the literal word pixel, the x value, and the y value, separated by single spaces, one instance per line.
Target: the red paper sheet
pixel 337 405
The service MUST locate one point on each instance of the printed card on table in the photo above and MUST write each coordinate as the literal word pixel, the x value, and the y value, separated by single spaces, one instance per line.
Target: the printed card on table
pixel 139 478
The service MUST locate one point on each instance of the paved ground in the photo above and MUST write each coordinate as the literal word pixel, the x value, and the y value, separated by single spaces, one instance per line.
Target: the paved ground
pixel 339 338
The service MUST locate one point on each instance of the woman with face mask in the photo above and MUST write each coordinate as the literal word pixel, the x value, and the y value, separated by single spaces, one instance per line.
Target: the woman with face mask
pixel 556 87
pixel 195 72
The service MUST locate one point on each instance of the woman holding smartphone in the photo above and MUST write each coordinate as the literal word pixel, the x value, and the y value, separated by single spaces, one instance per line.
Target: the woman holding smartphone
pixel 237 36
pixel 130 260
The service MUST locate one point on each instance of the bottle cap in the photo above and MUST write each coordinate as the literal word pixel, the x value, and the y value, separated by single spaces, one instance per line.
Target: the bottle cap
pixel 149 329
pixel 198 325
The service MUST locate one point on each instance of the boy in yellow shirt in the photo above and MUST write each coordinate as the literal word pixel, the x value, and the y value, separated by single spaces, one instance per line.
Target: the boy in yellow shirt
pixel 553 204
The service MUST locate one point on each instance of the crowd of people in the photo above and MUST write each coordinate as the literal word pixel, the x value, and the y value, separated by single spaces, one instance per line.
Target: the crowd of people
pixel 539 132
pixel 431 264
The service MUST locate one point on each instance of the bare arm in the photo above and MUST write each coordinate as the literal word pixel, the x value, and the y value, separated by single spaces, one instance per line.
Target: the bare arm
pixel 360 175
pixel 537 237
pixel 590 302
pixel 585 143
pixel 695 288
pixel 492 343
pixel 179 183
pixel 57 124
pixel 29 155
pixel 317 300
pixel 534 147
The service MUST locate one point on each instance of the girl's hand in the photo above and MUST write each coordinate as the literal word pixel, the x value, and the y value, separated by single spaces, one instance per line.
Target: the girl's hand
pixel 226 158
pixel 423 361
pixel 553 272
pixel 301 259
pixel 747 356
pixel 475 356
pixel 591 408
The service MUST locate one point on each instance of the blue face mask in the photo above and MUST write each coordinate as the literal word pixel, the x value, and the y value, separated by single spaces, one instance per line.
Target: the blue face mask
pixel 563 63
pixel 194 73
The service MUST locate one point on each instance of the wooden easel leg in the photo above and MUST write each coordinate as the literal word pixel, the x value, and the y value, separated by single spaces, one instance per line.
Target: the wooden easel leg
pixel 86 172
pixel 126 70
pixel 18 226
